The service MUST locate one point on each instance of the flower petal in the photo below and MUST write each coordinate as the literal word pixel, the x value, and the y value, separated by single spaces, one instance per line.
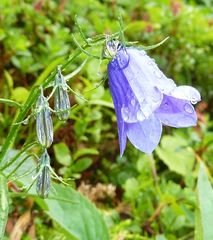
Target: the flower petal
pixel 186 92
pixel 128 103
pixel 176 112
pixel 145 135
pixel 148 96
pixel 151 73
pixel 118 97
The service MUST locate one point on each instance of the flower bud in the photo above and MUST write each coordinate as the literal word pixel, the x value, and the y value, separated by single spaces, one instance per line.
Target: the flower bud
pixel 43 180
pixel 61 97
pixel 44 125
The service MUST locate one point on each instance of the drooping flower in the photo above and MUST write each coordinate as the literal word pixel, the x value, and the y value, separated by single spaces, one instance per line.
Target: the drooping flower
pixel 145 99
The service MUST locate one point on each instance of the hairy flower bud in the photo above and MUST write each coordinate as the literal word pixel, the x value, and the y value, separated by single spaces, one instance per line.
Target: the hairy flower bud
pixel 44 125
pixel 43 180
pixel 61 97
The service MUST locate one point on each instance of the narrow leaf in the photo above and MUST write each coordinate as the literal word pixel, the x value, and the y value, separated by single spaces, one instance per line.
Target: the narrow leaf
pixel 204 231
pixel 4 205
pixel 10 102
pixel 152 46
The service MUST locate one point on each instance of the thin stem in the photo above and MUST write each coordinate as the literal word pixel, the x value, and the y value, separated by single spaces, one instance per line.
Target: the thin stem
pixel 153 168
pixel 77 94
pixel 34 93
pixel 82 49
pixel 51 94
pixel 152 46
pixel 19 165
pixel 23 175
pixel 80 30
pixel 98 85
pixel 10 102
pixel 23 150
pixel 121 25
pixel 76 71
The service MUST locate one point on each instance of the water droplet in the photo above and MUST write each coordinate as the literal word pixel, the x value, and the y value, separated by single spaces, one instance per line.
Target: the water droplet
pixel 114 63
pixel 133 102
pixel 166 105
pixel 125 113
pixel 122 59
pixel 140 115
pixel 188 108
pixel 195 98
pixel 146 109
pixel 158 73
pixel 142 52
pixel 156 94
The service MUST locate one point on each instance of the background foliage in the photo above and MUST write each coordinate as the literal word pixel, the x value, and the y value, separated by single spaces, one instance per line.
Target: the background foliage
pixel 139 197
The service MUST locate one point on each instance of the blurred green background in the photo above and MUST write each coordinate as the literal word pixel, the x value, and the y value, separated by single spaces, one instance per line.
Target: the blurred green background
pixel 140 197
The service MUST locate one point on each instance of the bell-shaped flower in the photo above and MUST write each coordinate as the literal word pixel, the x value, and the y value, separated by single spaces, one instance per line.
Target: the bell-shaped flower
pixel 145 99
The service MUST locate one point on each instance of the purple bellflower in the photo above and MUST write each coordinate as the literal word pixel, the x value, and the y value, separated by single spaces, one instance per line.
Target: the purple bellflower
pixel 145 99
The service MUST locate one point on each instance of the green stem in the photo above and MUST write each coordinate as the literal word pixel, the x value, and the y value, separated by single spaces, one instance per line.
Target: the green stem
pixel 19 117
pixel 25 148
pixel 19 165
pixel 10 102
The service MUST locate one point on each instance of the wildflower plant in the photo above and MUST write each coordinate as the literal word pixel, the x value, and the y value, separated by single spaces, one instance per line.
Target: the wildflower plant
pixel 144 100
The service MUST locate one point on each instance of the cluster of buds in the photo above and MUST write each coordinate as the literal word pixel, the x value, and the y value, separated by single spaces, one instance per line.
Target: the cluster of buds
pixel 44 128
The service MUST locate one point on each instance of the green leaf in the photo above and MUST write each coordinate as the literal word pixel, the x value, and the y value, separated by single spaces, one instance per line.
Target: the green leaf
pixel 174 153
pixel 9 80
pixel 153 46
pixel 92 69
pixel 4 205
pixel 82 164
pixel 160 237
pixel 20 94
pixel 85 151
pixel 22 165
pixel 62 154
pixel 80 219
pixel 101 103
pixel 204 216
pixel 131 188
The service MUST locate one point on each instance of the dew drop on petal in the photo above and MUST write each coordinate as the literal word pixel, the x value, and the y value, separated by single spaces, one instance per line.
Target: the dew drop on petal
pixel 133 102
pixel 157 95
pixel 195 98
pixel 188 108
pixel 166 105
pixel 140 115
pixel 146 109
pixel 125 113
pixel 142 52
pixel 122 59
